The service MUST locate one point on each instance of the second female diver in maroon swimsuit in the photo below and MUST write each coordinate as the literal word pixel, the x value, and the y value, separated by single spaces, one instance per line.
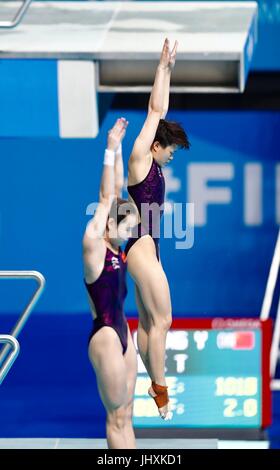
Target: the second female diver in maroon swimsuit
pixel 111 349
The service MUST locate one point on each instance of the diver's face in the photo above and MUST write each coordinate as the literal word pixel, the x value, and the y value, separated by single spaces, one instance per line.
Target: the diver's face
pixel 118 234
pixel 126 226
pixel 163 156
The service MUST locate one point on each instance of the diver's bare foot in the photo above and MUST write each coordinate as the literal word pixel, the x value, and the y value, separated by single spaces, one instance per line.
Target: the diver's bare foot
pixel 164 411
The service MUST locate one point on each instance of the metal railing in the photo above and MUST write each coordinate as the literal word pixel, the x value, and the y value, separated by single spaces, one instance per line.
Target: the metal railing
pixel 13 342
pixel 24 316
pixel 19 16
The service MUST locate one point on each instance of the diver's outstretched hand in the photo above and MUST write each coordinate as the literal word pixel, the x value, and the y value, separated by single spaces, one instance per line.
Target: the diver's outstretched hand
pixel 168 57
pixel 116 134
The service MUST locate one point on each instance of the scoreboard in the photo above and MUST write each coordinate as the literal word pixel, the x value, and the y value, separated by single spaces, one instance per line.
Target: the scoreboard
pixel 217 372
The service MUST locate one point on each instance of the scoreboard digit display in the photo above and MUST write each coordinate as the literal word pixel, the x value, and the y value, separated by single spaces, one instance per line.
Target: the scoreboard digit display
pixel 217 371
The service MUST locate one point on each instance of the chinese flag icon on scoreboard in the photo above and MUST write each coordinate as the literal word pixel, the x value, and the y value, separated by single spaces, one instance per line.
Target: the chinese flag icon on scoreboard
pixel 244 340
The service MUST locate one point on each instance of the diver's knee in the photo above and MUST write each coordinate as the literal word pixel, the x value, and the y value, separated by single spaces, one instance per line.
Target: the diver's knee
pixel 117 418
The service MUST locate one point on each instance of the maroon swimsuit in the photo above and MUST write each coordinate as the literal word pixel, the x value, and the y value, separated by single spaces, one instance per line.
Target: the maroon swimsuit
pixel 150 190
pixel 108 293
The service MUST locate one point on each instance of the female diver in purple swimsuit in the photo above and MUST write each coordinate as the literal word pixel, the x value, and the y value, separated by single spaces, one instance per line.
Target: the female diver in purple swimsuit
pixel 111 349
pixel 153 148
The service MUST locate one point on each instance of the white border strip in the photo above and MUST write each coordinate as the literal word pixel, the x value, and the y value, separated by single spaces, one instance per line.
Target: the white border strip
pixel 77 99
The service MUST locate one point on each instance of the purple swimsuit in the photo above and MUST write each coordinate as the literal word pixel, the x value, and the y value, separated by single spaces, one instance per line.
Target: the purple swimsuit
pixel 150 190
pixel 108 293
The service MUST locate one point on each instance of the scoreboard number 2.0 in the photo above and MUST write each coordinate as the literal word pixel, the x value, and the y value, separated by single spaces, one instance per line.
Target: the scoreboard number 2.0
pixel 217 371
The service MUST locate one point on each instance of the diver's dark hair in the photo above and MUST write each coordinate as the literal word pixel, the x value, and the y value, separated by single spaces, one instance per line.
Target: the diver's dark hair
pixel 171 133
pixel 120 208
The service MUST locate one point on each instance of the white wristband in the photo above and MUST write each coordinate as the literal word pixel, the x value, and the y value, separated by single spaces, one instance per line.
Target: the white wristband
pixel 119 149
pixel 109 157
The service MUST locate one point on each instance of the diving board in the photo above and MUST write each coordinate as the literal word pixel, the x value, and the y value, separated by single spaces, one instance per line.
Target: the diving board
pixel 101 47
